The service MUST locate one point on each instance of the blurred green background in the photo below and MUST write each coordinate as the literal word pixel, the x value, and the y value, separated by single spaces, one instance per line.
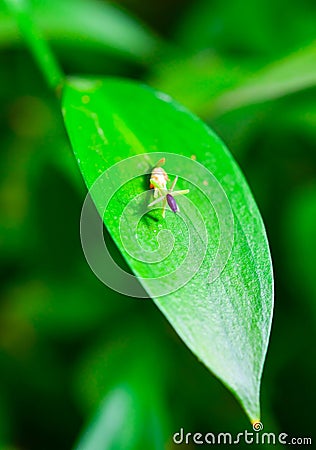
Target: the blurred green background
pixel 74 354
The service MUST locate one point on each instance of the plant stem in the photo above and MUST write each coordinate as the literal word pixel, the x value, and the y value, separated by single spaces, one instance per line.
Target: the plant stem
pixel 37 45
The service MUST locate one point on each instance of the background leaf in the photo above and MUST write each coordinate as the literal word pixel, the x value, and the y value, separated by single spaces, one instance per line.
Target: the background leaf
pixel 299 230
pixel 213 86
pixel 94 25
pixel 130 413
pixel 256 33
pixel 225 323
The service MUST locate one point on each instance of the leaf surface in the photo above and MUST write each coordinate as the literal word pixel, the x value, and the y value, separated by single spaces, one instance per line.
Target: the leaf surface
pixel 213 279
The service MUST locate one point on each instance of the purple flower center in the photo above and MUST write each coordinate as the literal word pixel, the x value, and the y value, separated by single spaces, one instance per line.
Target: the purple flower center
pixel 172 203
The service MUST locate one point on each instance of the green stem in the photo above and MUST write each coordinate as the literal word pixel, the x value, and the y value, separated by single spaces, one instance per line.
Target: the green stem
pixel 38 46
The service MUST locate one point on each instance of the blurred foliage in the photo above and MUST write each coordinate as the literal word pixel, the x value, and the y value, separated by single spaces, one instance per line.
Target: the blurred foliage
pixel 246 30
pixel 70 349
pixel 94 26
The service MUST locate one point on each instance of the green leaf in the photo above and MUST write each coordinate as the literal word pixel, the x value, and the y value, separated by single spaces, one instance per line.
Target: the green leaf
pixel 196 80
pixel 113 425
pixel 289 75
pixel 225 320
pixel 299 242
pixel 255 34
pixel 128 370
pixel 213 86
pixel 86 24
